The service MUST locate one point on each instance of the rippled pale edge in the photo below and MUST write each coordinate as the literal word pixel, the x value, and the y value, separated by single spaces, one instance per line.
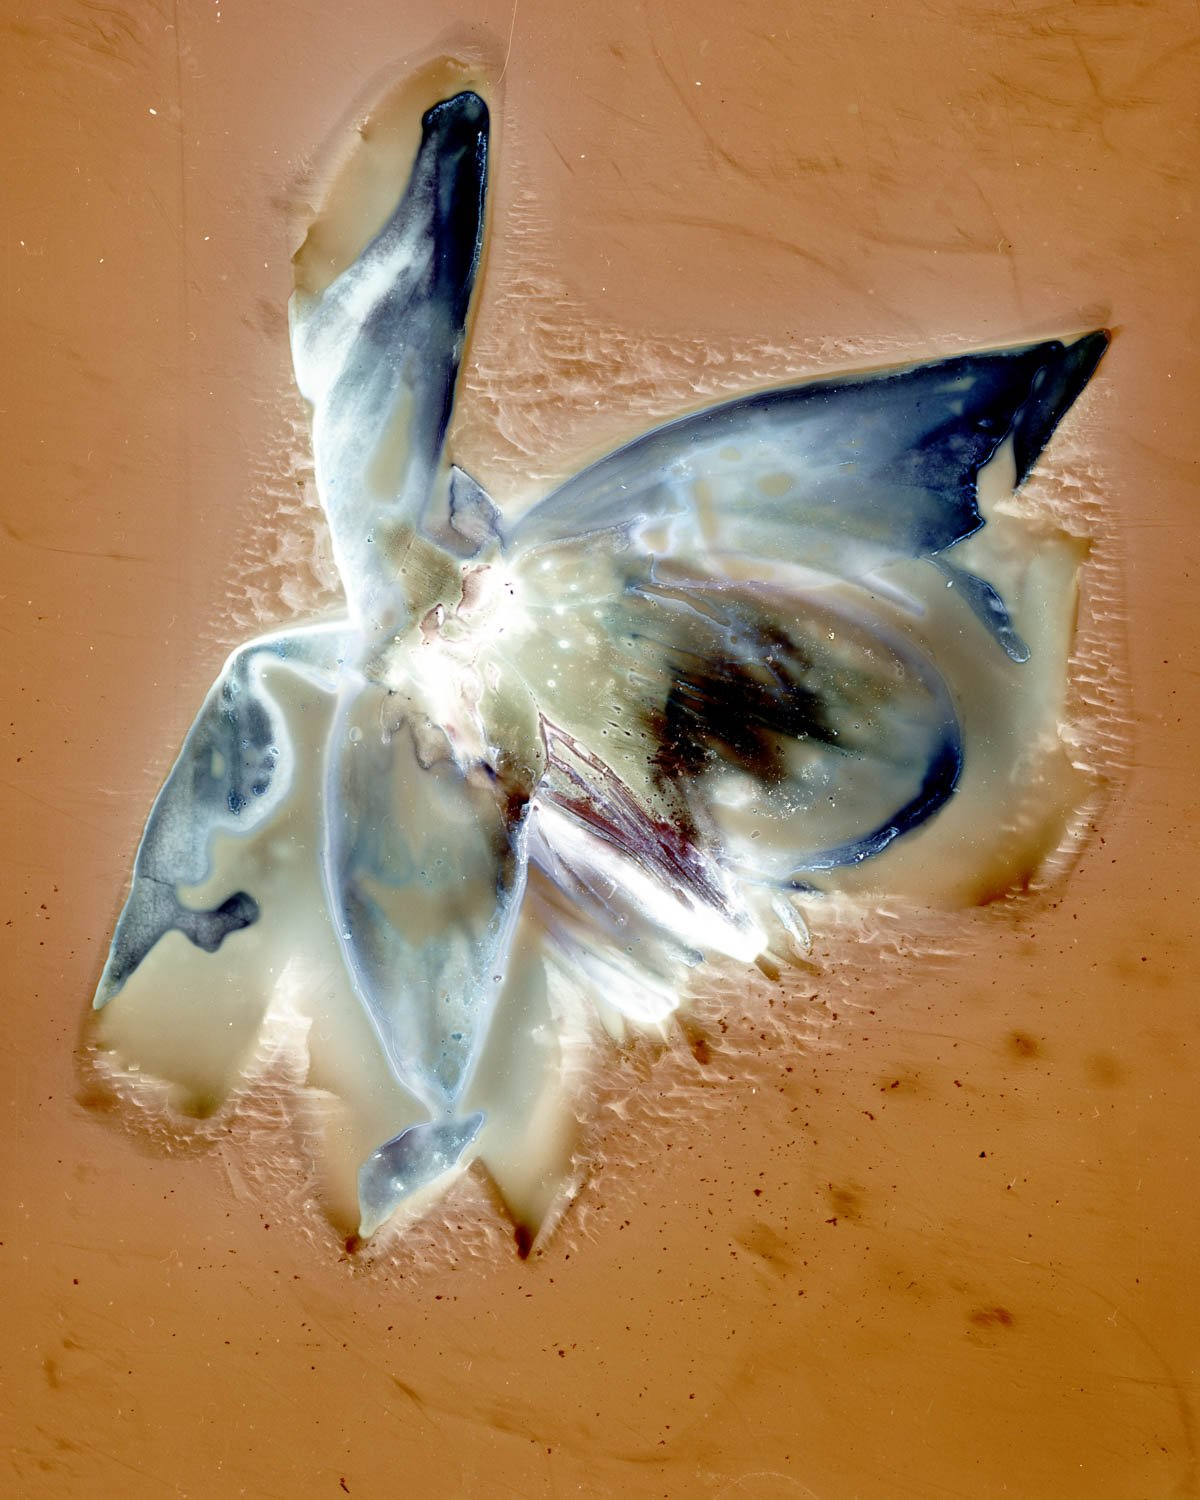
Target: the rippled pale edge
pixel 538 772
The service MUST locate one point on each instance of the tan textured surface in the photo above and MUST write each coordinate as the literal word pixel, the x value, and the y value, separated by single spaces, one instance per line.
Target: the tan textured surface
pixel 941 1243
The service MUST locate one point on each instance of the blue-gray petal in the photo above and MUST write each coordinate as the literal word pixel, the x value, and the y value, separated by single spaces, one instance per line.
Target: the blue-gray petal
pixel 231 776
pixel 411 1160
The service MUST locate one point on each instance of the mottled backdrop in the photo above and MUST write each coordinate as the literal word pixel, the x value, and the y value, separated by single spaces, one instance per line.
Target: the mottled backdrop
pixel 920 1220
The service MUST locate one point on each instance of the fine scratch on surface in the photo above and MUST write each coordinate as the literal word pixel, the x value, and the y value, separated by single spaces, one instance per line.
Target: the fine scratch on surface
pixel 1189 1476
pixel 24 539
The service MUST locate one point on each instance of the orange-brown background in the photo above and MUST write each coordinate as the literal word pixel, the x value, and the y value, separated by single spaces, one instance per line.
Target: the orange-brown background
pixel 945 1246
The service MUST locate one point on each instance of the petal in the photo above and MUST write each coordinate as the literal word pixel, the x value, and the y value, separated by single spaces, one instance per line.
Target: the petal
pixel 231 778
pixel 377 354
pixel 734 615
pixel 836 476
pixel 424 867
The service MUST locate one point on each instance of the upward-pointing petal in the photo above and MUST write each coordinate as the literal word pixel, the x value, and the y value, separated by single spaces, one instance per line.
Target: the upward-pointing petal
pixel 377 353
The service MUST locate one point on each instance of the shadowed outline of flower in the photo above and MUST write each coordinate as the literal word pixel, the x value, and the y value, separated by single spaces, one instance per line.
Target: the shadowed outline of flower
pixel 690 644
